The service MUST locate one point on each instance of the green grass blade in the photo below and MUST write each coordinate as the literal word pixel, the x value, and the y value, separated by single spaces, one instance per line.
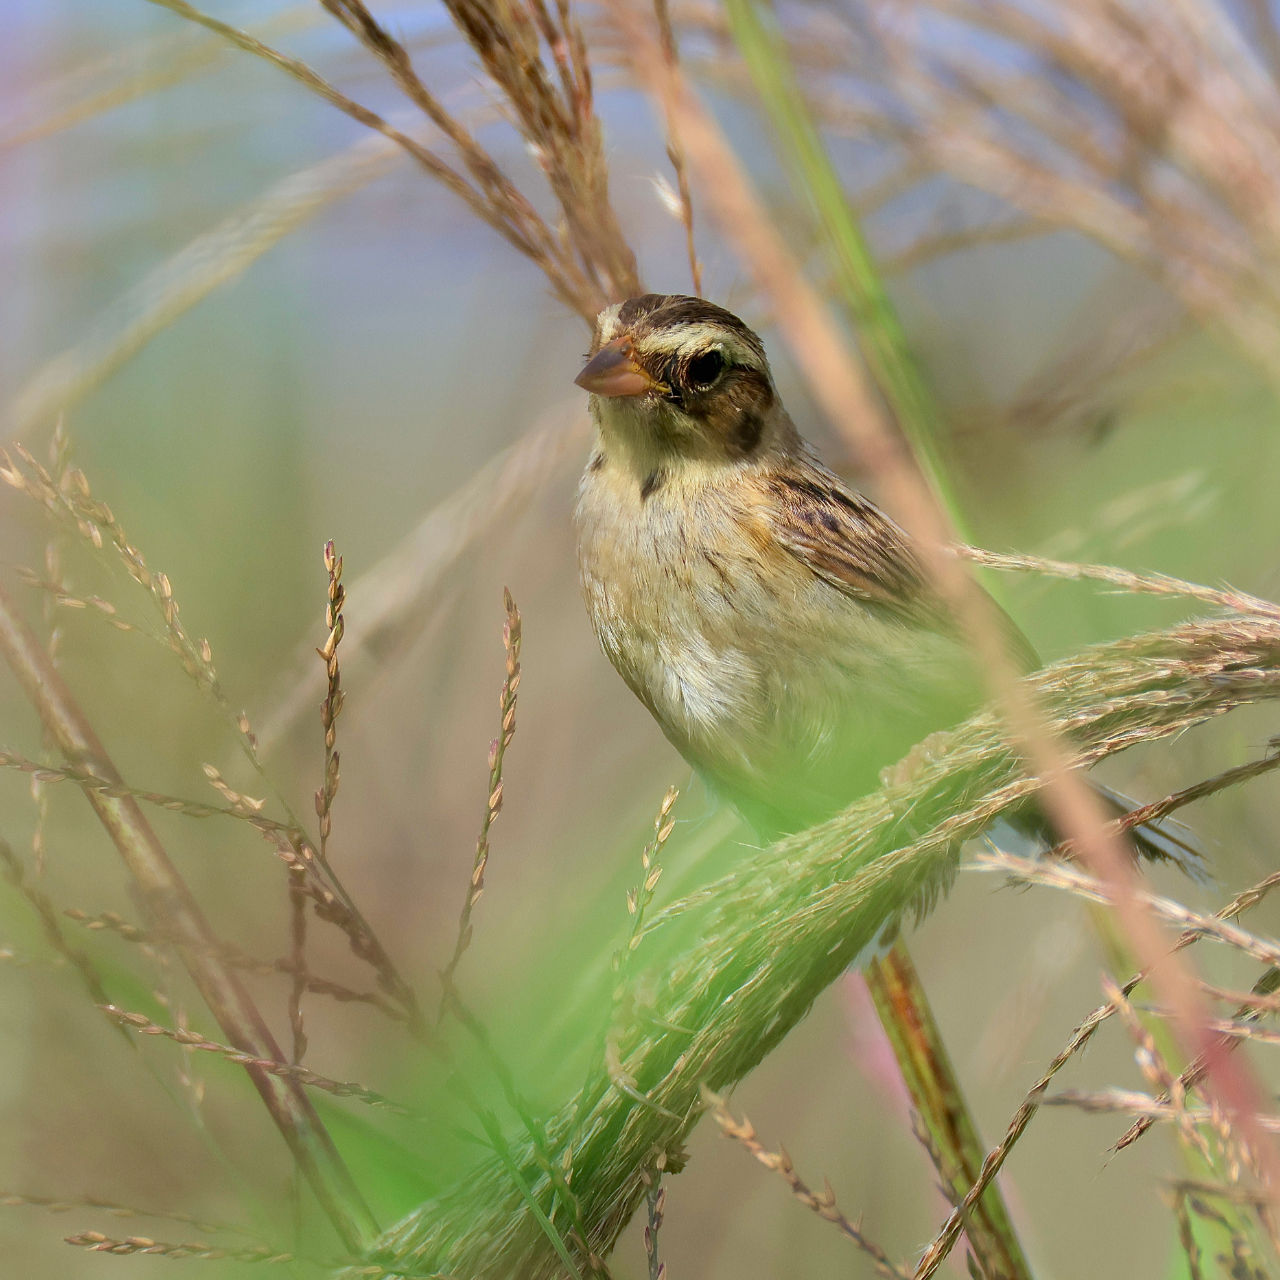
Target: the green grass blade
pixel 875 321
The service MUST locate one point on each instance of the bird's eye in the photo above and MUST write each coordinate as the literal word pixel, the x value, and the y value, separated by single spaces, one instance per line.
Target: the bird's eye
pixel 704 369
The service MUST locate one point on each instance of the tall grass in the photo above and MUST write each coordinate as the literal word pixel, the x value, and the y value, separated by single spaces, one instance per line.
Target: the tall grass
pixel 707 985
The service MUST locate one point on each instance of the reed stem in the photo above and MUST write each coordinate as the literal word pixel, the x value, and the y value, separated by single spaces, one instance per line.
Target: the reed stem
pixel 881 337
pixel 954 1143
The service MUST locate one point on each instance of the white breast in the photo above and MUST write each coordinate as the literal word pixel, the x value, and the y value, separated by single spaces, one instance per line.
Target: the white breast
pixel 667 621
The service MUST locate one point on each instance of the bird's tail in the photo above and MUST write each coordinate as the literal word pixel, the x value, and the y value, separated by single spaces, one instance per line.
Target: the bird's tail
pixel 1029 833
pixel 1164 840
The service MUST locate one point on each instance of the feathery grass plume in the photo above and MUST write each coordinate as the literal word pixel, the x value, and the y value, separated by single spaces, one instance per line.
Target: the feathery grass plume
pixel 143 1025
pixel 588 263
pixel 13 1200
pixel 331 903
pixel 1080 1038
pixel 789 920
pixel 1058 875
pixel 493 805
pixel 641 897
pixel 626 1004
pixel 554 111
pixel 1259 999
pixel 96 1242
pixel 74 504
pixel 1251 1007
pixel 1158 810
pixel 1155 1069
pixel 330 709
pixel 824 1204
pixel 558 1170
pixel 1133 1102
pixel 1160 584
pixel 1222 1158
pixel 163 889
pixel 70 501
pixel 1234 1142
pixel 237 959
pixel 1174 170
pixel 243 807
pixel 56 593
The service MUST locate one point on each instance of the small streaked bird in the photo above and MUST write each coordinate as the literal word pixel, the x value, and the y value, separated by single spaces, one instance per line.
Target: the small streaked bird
pixel 776 623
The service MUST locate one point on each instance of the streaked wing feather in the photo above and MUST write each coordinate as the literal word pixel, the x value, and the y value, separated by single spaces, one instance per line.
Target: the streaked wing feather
pixel 850 543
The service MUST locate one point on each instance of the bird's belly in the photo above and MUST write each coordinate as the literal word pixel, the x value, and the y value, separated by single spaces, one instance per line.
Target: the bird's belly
pixel 734 663
pixel 786 694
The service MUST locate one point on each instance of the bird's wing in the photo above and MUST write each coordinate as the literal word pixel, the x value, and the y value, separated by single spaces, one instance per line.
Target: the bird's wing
pixel 848 542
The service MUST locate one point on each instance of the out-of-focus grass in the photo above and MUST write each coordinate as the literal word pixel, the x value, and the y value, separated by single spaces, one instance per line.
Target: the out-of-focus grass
pixel 356 376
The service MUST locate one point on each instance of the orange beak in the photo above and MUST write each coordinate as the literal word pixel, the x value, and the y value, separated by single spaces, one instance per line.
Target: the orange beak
pixel 613 371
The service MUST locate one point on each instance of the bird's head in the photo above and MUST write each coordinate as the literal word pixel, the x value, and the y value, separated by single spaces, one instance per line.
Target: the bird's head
pixel 674 379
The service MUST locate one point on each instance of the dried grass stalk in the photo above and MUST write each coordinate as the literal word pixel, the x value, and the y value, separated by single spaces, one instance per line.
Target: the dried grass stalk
pixel 586 260
pixel 1080 1038
pixel 493 804
pixel 96 1242
pixel 824 1204
pixel 289 1071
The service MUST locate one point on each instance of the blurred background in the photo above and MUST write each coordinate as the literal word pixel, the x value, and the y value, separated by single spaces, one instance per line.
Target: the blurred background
pixel 266 331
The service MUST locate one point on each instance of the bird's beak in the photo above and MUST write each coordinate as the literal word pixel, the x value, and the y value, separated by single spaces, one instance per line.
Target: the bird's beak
pixel 613 371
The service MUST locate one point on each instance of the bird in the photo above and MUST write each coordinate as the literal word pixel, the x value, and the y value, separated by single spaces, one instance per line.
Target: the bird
pixel 778 625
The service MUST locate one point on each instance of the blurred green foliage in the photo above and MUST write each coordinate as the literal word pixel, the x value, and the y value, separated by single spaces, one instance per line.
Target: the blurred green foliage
pixel 355 376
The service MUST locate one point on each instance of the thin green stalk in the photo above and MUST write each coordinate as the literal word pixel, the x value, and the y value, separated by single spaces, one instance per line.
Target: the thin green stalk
pixel 952 1137
pixel 880 334
pixel 499 1143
